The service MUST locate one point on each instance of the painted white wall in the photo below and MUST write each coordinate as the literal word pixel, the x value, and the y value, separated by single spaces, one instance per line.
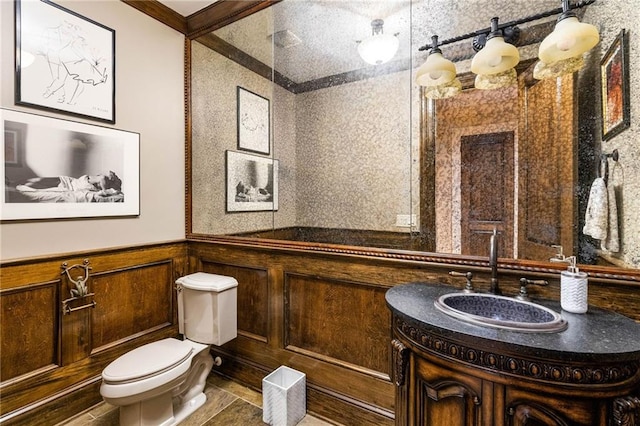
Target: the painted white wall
pixel 149 101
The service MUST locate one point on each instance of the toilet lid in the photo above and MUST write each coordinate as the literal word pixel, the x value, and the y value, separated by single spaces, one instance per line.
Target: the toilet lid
pixel 204 281
pixel 148 360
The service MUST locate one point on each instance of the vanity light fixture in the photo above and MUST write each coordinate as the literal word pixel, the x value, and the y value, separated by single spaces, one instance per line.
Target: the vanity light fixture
pixel 379 47
pixel 438 75
pixel 570 38
pixel 436 70
pixel 497 56
pixel 560 52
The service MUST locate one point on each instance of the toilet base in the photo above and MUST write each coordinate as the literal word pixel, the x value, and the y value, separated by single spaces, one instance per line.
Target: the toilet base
pixel 181 412
pixel 158 411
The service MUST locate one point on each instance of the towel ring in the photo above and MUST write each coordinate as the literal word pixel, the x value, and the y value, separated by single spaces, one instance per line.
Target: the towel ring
pixel 603 170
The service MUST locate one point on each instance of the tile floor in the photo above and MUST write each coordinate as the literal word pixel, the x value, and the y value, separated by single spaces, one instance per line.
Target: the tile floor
pixel 228 404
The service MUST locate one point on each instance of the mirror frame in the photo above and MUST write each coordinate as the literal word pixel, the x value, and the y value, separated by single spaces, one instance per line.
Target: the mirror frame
pixel 225 12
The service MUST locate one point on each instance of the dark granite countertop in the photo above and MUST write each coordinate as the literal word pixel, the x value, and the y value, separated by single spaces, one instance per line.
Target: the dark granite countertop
pixel 598 335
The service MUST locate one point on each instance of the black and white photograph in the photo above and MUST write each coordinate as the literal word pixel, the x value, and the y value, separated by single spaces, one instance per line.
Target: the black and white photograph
pixel 65 62
pixel 62 169
pixel 252 183
pixel 253 122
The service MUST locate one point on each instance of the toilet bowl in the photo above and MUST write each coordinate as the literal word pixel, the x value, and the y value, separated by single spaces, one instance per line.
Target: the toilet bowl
pixel 161 383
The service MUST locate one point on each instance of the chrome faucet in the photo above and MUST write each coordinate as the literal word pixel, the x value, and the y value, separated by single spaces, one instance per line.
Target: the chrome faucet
pixel 493 262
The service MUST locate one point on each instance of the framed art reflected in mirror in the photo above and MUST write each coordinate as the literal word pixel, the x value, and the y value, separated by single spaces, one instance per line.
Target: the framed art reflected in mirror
pixel 252 183
pixel 253 122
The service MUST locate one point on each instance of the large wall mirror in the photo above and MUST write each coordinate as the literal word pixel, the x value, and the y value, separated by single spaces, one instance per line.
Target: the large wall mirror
pixel 364 159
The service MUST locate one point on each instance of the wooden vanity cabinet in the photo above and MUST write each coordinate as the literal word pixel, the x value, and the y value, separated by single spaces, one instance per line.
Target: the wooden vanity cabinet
pixel 436 390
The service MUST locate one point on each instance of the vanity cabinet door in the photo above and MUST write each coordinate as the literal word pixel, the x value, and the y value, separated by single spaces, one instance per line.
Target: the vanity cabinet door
pixel 538 409
pixel 444 397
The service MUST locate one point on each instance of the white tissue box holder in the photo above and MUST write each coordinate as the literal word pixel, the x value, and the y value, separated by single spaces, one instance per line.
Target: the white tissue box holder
pixel 284 397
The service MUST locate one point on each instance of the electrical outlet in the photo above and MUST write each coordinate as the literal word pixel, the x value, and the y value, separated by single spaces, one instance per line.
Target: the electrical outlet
pixel 406 220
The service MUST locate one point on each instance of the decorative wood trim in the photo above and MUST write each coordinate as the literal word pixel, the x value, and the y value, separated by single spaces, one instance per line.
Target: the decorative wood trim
pixel 523 413
pixel 540 370
pixel 626 411
pixel 160 12
pixel 424 258
pixel 222 13
pixel 188 125
pixel 400 354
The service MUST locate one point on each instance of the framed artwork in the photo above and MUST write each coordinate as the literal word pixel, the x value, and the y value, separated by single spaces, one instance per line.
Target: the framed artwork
pixel 252 183
pixel 253 122
pixel 614 71
pixel 65 62
pixel 55 169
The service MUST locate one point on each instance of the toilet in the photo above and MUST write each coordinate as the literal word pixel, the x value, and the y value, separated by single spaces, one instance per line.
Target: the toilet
pixel 161 383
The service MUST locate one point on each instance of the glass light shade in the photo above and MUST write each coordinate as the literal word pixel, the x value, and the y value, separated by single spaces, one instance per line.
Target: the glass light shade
pixel 379 48
pixel 436 71
pixel 565 66
pixel 496 81
pixel 569 38
pixel 26 59
pixel 443 91
pixel 496 56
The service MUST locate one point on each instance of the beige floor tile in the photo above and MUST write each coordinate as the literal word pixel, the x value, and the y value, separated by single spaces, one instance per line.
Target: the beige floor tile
pixel 241 391
pixel 217 400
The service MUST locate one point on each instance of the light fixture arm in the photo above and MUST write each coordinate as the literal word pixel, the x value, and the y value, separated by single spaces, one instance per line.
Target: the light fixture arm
pixel 566 10
pixel 434 45
pixel 377 26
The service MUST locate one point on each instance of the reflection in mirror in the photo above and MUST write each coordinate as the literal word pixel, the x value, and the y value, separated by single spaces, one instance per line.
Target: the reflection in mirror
pixel 365 159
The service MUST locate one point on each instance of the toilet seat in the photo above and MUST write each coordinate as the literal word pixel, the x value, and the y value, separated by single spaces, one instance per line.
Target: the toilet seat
pixel 147 361
pixel 120 381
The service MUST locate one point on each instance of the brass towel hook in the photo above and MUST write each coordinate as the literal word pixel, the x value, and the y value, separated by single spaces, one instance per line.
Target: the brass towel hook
pixel 81 289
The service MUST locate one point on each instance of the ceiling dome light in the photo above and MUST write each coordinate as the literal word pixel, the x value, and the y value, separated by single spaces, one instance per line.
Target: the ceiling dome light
pixel 497 55
pixel 380 47
pixel 569 38
pixel 436 70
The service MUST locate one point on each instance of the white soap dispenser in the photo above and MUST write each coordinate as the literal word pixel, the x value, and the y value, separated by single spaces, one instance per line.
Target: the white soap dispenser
pixel 573 288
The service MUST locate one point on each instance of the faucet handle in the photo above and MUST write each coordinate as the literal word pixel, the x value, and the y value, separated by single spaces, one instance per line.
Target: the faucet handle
pixel 559 256
pixel 468 288
pixel 524 282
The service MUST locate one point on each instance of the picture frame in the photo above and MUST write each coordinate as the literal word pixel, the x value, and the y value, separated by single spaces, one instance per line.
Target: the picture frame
pixel 253 118
pixel 614 71
pixel 65 62
pixel 66 169
pixel 251 183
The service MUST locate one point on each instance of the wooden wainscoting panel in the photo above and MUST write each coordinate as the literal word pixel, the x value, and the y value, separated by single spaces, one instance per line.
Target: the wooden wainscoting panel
pixel 253 296
pixel 342 320
pixel 135 304
pixel 28 336
pixel 131 301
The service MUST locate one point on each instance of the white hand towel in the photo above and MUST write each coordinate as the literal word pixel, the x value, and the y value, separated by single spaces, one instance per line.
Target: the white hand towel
pixel 612 241
pixel 596 216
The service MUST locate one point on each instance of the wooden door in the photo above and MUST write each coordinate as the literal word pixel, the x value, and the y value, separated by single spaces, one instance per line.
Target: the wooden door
pixel 547 160
pixel 487 192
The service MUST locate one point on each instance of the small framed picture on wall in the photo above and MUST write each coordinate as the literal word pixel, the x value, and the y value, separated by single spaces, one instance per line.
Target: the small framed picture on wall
pixel 614 71
pixel 65 62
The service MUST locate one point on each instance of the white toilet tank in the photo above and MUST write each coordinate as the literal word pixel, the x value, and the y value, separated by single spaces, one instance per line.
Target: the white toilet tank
pixel 207 308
